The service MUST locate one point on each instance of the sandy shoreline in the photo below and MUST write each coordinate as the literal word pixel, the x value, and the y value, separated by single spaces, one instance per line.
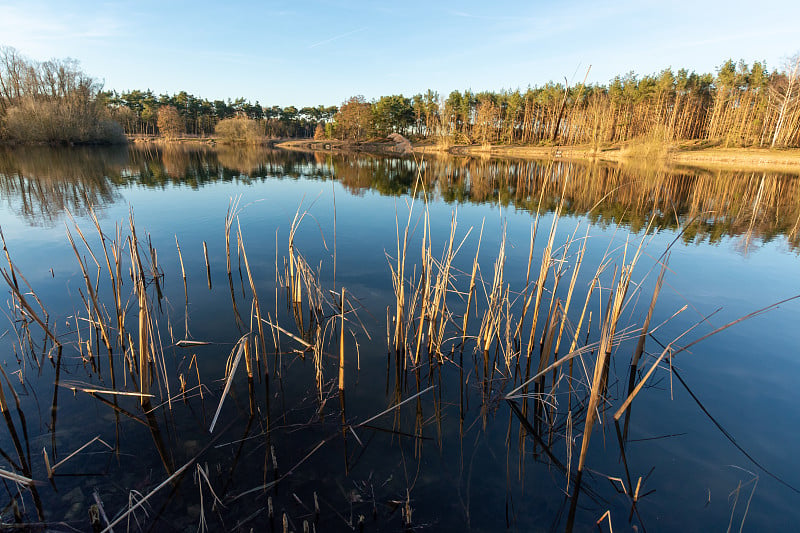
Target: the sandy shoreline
pixel 687 154
pixel 683 155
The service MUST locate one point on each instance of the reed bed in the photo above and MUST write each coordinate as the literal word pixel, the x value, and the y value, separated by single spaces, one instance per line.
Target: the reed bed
pixel 456 316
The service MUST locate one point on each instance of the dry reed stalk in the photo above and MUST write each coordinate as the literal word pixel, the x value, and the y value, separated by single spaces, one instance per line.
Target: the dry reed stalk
pixel 144 314
pixel 544 269
pixel 287 333
pixel 100 322
pixel 197 370
pixel 572 281
pixel 115 281
pixel 12 430
pixel 443 281
pixel 534 227
pixel 606 515
pixel 267 486
pixel 559 272
pixel 643 336
pixel 600 377
pixel 158 357
pixel 669 349
pixel 471 288
pixel 141 502
pixel 294 276
pixel 491 320
pixel 88 390
pixel 440 287
pixel 248 363
pixel 26 307
pixel 256 303
pixel 183 271
pixel 144 324
pixel 208 267
pixel 509 351
pixel 99 503
pixel 8 259
pixel 569 445
pixel 52 469
pixel 341 348
pixel 551 324
pixel 398 276
pixel 16 478
pixel 188 343
pixel 230 215
pixel 229 380
pixel 423 288
pixel 399 287
pixel 317 351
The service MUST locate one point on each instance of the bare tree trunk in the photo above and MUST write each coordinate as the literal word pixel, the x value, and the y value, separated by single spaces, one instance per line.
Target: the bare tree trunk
pixel 786 101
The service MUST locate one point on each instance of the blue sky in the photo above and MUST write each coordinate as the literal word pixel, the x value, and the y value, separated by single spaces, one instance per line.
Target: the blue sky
pixel 309 53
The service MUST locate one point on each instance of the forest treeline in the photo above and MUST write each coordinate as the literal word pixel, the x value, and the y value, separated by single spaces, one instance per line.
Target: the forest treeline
pixel 739 105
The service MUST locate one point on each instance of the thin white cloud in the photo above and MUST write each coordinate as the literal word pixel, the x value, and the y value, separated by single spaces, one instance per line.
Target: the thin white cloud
pixel 34 28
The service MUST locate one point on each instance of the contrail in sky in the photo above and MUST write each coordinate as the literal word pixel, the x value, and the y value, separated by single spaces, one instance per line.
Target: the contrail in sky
pixel 337 37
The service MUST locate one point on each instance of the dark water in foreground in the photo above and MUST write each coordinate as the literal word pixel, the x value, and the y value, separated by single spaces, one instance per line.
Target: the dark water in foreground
pixel 453 454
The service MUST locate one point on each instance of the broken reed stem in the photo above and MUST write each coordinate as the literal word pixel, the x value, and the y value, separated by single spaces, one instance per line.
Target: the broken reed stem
pixel 241 347
pixel 208 268
pixel 233 209
pixel 120 518
pixel 76 452
pixel 88 390
pixel 16 478
pixel 183 271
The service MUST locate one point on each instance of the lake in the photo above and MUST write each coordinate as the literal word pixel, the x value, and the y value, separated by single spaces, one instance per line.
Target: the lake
pixel 252 338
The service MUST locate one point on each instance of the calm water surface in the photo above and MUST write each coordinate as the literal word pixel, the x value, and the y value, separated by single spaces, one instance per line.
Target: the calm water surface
pixel 454 455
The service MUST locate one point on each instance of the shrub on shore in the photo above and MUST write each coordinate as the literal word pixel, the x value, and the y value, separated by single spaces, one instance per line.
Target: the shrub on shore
pixel 239 130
